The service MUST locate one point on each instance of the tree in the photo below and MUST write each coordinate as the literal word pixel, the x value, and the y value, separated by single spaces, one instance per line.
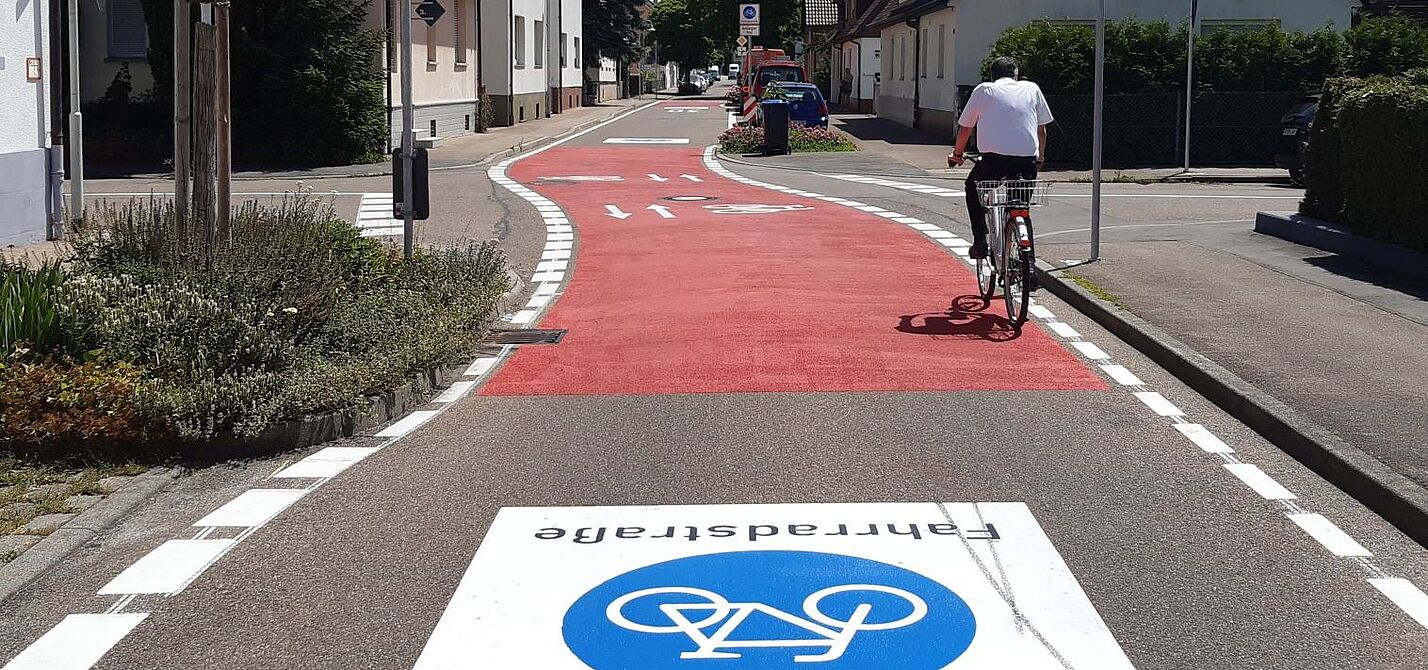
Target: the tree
pixel 611 29
pixel 680 29
pixel 1389 45
pixel 702 32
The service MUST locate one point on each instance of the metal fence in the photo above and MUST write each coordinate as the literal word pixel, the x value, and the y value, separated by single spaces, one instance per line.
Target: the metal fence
pixel 1143 130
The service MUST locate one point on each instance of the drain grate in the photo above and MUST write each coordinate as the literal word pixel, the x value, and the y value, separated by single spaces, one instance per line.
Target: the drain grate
pixel 524 336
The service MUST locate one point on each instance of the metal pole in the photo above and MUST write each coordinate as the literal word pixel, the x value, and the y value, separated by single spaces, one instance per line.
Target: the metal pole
pixel 408 141
pixel 76 120
pixel 1096 135
pixel 1190 75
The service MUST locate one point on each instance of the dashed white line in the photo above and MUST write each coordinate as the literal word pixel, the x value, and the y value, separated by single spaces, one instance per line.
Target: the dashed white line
pixel 1331 536
pixel 1090 350
pixel 253 507
pixel 77 642
pixel 1157 402
pixel 1121 375
pixel 327 462
pixel 168 568
pixel 1261 483
pixel 1063 329
pixel 480 367
pixel 1406 595
pixel 455 392
pixel 407 424
pixel 1203 438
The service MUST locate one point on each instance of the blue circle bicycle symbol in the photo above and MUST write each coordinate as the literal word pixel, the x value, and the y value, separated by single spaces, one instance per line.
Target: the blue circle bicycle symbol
pixel 749 12
pixel 769 609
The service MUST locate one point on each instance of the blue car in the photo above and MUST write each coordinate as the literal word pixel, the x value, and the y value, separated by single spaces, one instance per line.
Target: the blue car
pixel 806 106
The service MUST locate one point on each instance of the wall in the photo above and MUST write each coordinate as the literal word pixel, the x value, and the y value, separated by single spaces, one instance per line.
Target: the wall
pixel 571 25
pixel 96 68
pixel 24 106
pixel 444 71
pixel 898 86
pixel 530 79
pixel 982 22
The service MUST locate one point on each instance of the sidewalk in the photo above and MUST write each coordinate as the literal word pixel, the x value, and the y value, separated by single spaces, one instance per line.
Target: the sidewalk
pixel 925 151
pixel 1337 340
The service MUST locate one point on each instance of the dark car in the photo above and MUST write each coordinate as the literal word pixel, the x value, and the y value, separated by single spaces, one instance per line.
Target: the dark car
pixel 806 106
pixel 1294 137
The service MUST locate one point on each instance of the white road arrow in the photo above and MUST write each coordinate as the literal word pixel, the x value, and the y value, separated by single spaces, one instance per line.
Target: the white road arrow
pixel 656 177
pixel 615 212
pixel 691 177
pixel 661 210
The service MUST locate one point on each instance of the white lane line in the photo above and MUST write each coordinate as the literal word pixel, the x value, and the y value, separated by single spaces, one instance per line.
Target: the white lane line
pixel 555 255
pixel 1203 438
pixel 407 424
pixel 1157 402
pixel 555 277
pixel 1406 595
pixel 168 568
pixel 551 266
pixel 547 289
pixel 1041 312
pixel 1122 376
pixel 480 367
pixel 1262 483
pixel 538 301
pixel 554 246
pixel 524 316
pixel 77 642
pixel 253 507
pixel 1331 536
pixel 1090 350
pixel 455 391
pixel 1063 329
pixel 326 462
pixel 924 226
pixel 647 140
pixel 941 235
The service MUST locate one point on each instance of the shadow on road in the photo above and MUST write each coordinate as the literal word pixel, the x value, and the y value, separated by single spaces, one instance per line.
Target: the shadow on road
pixel 966 318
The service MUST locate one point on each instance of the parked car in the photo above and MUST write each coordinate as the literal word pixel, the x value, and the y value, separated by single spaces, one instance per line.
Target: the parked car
pixel 1294 137
pixel 690 86
pixel 806 106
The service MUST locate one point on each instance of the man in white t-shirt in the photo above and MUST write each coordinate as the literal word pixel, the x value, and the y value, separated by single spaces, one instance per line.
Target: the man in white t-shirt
pixel 1010 118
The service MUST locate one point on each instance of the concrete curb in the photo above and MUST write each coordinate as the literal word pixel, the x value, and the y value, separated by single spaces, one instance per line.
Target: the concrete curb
pixel 1396 498
pixel 1339 239
pixel 33 562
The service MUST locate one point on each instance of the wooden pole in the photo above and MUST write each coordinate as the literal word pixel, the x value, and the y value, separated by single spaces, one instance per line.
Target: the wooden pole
pixel 204 124
pixel 225 121
pixel 183 99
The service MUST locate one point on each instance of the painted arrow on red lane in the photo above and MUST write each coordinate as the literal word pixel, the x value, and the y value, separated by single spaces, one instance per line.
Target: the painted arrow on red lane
pixel 661 210
pixel 615 212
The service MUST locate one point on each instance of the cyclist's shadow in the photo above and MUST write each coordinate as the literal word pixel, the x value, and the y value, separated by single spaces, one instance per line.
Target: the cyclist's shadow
pixel 967 318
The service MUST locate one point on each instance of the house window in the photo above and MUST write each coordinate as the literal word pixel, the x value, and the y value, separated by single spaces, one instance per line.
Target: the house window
pixel 431 45
pixel 576 55
pixel 394 11
pixel 539 44
pixel 926 49
pixel 128 34
pixel 458 26
pixel 941 50
pixel 519 48
pixel 563 39
pixel 1208 26
pixel 902 57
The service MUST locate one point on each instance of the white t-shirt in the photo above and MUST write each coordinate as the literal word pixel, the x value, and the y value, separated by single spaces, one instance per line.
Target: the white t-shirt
pixel 1006 114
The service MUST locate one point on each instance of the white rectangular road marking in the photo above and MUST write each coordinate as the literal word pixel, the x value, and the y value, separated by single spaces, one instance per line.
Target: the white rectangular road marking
pixel 1063 329
pixel 251 508
pixel 167 568
pixel 1122 376
pixel 555 277
pixel 455 392
pixel 1087 349
pixel 549 266
pixel 1203 438
pixel 1041 312
pixel 923 226
pixel 326 463
pixel 1158 403
pixel 546 289
pixel 480 367
pixel 1262 484
pixel 1331 536
pixel 524 316
pixel 538 301
pixel 407 424
pixel 1408 597
pixel 77 642
pixel 905 219
pixel 555 255
pixel 647 140
pixel 563 244
pixel 940 235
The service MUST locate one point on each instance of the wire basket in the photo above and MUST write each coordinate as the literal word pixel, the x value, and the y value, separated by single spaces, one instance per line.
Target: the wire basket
pixel 1018 192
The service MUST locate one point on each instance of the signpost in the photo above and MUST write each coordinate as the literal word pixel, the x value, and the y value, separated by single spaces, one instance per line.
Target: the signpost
pixel 749 19
pixel 430 11
pixel 411 205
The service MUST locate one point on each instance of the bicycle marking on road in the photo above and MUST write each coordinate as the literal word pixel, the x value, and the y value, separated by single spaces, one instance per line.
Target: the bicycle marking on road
pixel 1402 593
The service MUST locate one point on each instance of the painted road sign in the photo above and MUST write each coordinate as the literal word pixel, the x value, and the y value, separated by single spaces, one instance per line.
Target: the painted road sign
pixel 913 586
pixel 430 11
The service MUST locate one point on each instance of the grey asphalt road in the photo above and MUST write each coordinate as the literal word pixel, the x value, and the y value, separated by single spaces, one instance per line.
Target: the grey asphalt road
pixel 1186 565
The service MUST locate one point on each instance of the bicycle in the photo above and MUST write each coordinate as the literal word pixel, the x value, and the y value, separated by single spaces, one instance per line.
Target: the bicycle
pixel 1011 247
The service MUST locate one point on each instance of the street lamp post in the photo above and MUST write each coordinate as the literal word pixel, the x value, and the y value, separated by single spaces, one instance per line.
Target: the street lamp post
pixel 1098 117
pixel 1190 74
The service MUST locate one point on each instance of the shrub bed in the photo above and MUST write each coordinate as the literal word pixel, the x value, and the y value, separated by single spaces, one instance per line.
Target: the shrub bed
pixel 159 335
pixel 801 139
pixel 1367 161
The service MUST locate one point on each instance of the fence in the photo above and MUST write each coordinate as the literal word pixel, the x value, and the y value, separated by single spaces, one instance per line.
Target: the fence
pixel 1141 130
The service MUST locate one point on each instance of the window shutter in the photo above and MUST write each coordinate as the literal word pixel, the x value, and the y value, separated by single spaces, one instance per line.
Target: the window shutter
pixel 128 34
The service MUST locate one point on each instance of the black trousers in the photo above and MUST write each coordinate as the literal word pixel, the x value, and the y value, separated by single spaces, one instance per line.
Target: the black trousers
pixel 991 168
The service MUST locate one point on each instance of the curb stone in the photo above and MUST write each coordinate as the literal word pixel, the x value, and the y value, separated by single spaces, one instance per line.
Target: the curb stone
pixel 1396 498
pixel 33 562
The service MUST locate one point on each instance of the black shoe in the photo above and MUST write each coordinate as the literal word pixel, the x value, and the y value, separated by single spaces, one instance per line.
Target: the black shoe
pixel 978 250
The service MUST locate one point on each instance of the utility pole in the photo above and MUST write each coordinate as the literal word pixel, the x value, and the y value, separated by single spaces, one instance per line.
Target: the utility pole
pixel 1096 146
pixel 224 95
pixel 408 141
pixel 183 101
pixel 1190 74
pixel 76 121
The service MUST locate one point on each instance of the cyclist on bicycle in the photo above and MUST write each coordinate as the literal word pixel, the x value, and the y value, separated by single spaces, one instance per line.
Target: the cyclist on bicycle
pixel 1010 118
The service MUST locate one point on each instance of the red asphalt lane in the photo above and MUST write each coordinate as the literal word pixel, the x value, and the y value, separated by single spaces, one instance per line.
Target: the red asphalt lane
pixel 815 300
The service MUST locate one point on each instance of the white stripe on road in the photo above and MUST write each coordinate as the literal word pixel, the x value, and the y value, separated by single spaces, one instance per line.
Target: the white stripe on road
pixel 1063 329
pixel 1158 403
pixel 1331 536
pixel 647 140
pixel 1090 350
pixel 1262 483
pixel 480 367
pixel 1123 376
pixel 253 507
pixel 168 568
pixel 1408 597
pixel 407 424
pixel 1041 312
pixel 326 463
pixel 77 642
pixel 1203 438
pixel 455 392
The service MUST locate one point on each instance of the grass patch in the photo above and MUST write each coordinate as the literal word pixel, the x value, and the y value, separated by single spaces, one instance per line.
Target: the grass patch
pixel 1118 178
pixel 18 476
pixel 1097 290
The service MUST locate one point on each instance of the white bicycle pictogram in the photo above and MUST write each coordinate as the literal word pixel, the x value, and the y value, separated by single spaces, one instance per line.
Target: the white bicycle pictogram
pixel 832 633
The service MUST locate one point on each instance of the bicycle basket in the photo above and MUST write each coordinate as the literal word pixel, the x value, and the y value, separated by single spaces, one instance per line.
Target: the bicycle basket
pixel 1013 192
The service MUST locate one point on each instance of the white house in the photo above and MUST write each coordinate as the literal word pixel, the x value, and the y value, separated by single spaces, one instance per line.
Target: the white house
pixel 444 68
pixel 931 47
pixel 24 133
pixel 606 75
pixel 530 57
pixel 857 56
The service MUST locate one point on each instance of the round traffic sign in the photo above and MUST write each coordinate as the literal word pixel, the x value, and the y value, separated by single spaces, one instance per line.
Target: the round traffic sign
pixel 749 12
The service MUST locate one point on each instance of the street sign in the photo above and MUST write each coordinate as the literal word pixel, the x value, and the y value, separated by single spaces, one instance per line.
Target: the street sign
pixel 430 11
pixel 742 41
pixel 748 19
pixel 912 586
pixel 739 51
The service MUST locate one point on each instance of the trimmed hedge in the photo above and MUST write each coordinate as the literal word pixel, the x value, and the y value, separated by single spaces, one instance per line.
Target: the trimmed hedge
pixel 1367 162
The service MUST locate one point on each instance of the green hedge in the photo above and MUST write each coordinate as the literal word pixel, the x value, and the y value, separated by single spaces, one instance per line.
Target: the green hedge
pixel 1368 158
